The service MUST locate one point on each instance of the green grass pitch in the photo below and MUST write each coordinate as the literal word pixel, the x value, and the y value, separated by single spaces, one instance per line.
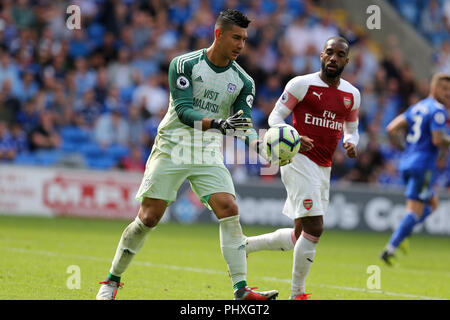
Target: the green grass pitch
pixel 184 262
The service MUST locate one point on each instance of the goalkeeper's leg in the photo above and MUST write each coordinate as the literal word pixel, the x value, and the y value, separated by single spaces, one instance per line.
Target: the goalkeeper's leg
pixel 132 240
pixel 232 244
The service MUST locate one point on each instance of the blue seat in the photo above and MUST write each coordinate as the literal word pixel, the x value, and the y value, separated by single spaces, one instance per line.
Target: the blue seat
pixel 91 150
pixel 117 151
pixel 75 135
pixel 48 157
pixel 25 159
pixel 100 163
pixel 69 146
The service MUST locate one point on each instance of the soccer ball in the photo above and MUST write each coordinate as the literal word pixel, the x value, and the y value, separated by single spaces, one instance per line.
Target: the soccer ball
pixel 281 142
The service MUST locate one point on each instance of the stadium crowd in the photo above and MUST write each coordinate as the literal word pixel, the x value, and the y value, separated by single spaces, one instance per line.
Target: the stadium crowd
pixel 94 97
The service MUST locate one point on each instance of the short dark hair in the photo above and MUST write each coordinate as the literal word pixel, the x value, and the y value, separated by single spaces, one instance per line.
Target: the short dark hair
pixel 229 17
pixel 339 39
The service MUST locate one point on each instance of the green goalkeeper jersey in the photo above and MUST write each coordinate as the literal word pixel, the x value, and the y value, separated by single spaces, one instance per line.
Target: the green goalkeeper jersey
pixel 214 92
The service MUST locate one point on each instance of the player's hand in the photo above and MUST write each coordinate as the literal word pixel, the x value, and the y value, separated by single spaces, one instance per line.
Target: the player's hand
pixel 233 123
pixel 350 150
pixel 306 143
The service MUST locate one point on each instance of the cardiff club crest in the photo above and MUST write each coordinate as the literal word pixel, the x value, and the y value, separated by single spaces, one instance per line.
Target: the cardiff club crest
pixel 231 88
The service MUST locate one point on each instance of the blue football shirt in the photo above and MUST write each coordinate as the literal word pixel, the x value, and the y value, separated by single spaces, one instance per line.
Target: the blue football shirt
pixel 423 118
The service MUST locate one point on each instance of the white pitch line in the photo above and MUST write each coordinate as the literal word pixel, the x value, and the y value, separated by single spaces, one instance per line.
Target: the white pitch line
pixel 406 295
pixel 212 271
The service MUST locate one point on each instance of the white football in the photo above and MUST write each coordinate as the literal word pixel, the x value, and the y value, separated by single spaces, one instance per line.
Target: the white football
pixel 282 142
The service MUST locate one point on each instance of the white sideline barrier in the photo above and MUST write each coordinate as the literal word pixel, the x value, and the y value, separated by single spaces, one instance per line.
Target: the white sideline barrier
pixel 60 191
pixel 110 194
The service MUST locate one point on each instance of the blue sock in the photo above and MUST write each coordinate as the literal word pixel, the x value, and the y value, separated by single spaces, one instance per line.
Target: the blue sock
pixel 404 229
pixel 426 212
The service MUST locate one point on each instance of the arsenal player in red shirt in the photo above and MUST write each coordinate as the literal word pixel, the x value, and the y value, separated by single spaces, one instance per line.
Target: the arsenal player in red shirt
pixel 323 106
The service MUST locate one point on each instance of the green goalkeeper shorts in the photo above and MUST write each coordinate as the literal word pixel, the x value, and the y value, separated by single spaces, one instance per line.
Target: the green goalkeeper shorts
pixel 162 179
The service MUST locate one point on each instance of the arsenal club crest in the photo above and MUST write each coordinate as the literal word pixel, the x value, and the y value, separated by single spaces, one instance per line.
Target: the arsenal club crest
pixel 307 203
pixel 347 102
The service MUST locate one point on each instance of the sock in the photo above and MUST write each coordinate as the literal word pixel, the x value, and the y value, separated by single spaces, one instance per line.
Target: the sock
pixel 304 252
pixel 232 245
pixel 281 239
pixel 131 241
pixel 403 230
pixel 426 212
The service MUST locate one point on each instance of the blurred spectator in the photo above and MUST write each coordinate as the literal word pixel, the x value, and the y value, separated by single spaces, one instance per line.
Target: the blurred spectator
pixel 340 167
pixel 19 138
pixel 146 62
pixel 151 95
pixel 22 15
pixel 432 21
pixel 114 102
pixel 9 72
pixel 29 87
pixel 79 45
pixel 134 161
pixel 110 129
pixel 181 12
pixel 7 147
pixel 9 104
pixel 322 31
pixel 120 72
pixel 45 135
pixel 28 116
pixel 392 103
pixel 85 78
pixel 137 126
pixel 389 175
pixel 298 36
pixel 88 110
pixel 443 56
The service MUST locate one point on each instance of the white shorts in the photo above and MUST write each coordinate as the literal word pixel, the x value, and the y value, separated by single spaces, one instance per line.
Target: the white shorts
pixel 307 186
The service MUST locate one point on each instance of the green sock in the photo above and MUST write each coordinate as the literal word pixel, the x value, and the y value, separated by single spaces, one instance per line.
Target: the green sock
pixel 239 285
pixel 113 277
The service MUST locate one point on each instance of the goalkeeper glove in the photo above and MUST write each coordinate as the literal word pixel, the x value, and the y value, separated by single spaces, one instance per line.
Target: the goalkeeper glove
pixel 235 122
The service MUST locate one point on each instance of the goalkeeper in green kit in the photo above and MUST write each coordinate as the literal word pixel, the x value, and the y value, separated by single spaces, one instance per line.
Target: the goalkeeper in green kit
pixel 206 87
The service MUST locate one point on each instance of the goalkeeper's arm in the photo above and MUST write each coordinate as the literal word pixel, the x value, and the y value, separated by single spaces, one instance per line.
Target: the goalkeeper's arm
pixel 190 117
pixel 236 122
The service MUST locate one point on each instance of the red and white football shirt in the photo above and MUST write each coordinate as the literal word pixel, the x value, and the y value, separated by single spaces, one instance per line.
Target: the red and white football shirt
pixel 319 112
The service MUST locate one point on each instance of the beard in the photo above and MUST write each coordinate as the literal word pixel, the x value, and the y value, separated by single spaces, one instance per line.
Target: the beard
pixel 332 74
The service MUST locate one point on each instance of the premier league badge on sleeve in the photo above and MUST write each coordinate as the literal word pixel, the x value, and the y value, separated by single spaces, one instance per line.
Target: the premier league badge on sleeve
pixel 249 100
pixel 182 82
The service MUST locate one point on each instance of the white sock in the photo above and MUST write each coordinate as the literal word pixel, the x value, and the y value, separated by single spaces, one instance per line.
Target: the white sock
pixel 131 241
pixel 232 244
pixel 281 239
pixel 304 252
pixel 390 248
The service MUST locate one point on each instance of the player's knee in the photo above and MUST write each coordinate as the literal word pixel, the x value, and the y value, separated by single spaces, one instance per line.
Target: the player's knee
pixel 230 208
pixel 225 209
pixel 315 231
pixel 150 214
pixel 313 226
pixel 147 218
